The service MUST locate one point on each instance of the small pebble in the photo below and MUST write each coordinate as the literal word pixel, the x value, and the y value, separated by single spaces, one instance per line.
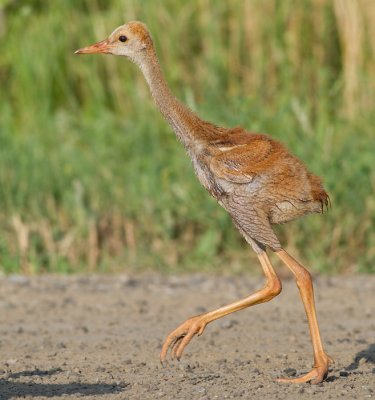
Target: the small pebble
pixel 290 372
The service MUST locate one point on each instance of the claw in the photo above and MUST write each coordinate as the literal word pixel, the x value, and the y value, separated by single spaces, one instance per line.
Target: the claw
pixel 177 340
pixel 317 375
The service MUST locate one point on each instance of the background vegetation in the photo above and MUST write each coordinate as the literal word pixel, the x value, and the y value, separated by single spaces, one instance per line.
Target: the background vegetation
pixel 91 177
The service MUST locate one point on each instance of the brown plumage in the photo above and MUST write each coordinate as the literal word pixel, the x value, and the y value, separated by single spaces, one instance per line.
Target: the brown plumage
pixel 254 177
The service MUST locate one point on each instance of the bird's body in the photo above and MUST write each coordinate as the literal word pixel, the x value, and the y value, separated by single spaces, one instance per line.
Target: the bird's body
pixel 256 180
pixel 254 177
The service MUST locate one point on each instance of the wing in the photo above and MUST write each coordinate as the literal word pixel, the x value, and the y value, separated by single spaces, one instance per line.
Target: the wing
pixel 240 162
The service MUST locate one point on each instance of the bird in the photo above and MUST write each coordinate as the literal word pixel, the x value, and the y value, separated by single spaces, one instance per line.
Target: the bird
pixel 251 175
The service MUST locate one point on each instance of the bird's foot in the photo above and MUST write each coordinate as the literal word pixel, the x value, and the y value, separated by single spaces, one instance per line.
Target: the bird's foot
pixel 318 373
pixel 178 339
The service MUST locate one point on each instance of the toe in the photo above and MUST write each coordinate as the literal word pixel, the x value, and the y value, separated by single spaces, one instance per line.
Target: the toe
pixel 315 376
pixel 185 341
pixel 169 342
pixel 175 346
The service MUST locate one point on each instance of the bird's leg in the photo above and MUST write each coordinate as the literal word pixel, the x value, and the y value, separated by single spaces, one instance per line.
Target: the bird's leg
pixel 178 339
pixel 304 282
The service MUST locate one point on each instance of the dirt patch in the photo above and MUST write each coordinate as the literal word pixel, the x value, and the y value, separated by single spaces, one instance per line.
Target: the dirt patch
pixel 99 337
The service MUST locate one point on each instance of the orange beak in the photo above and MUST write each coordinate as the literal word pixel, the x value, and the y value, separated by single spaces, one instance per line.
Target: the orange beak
pixel 100 47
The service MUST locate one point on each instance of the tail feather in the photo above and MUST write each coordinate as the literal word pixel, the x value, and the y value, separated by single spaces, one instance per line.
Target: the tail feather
pixel 318 192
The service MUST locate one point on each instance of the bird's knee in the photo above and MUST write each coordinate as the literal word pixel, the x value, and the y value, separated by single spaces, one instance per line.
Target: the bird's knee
pixel 304 278
pixel 274 287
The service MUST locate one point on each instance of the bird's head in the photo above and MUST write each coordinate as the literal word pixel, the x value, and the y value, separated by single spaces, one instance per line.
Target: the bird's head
pixel 131 40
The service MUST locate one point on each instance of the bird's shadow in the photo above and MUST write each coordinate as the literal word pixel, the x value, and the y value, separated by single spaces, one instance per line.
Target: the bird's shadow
pixel 10 389
pixel 367 354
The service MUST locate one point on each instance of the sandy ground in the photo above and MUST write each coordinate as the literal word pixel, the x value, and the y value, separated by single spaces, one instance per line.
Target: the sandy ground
pixel 99 337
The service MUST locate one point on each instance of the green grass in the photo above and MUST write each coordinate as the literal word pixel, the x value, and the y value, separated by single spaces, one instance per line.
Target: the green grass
pixel 92 178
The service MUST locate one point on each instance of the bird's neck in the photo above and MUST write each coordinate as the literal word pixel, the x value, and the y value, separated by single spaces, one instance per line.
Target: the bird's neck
pixel 183 121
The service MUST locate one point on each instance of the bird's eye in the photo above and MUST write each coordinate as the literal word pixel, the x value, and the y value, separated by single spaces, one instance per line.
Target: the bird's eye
pixel 122 38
